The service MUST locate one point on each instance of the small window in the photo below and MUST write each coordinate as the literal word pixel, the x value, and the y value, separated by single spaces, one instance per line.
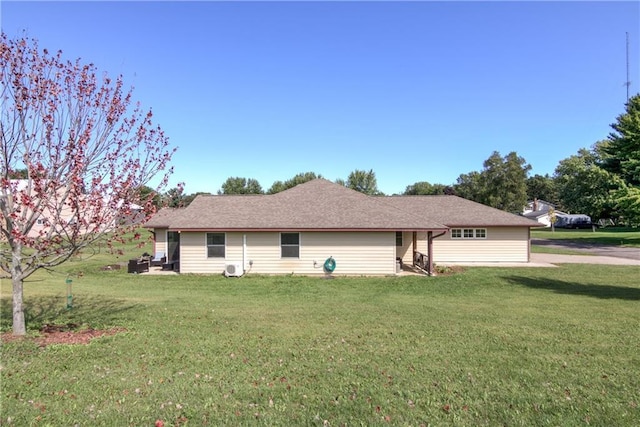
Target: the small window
pixel 290 245
pixel 216 245
pixel 399 238
pixel 468 233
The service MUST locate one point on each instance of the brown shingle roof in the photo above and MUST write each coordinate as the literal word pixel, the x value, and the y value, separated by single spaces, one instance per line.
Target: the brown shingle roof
pixel 323 205
pixel 163 218
pixel 454 211
pixel 315 205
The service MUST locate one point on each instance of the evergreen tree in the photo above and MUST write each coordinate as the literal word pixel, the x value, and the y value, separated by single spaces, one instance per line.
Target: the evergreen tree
pixel 621 153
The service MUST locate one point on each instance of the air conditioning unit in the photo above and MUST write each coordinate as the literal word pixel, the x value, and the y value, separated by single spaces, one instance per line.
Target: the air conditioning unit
pixel 233 269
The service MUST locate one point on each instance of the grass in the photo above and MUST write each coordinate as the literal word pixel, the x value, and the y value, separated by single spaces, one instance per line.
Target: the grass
pixel 540 249
pixel 602 236
pixel 483 347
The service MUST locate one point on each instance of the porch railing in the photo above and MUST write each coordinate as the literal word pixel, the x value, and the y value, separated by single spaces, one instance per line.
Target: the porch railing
pixel 420 260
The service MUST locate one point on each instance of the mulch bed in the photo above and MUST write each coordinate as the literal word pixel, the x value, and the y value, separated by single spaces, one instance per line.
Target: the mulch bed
pixel 62 334
pixel 450 270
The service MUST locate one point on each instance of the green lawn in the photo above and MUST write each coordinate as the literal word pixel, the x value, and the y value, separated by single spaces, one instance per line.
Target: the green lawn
pixel 541 249
pixel 602 236
pixel 483 347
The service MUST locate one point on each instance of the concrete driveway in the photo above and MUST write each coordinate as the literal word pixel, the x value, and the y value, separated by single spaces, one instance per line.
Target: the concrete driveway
pixel 601 250
pixel 594 254
pixel 554 259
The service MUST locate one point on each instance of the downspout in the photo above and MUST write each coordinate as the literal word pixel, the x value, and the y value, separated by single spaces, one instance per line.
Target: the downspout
pixel 244 252
pixel 430 238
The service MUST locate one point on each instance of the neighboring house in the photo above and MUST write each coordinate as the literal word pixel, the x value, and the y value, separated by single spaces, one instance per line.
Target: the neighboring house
pixel 50 212
pixel 537 205
pixel 133 215
pixel 297 230
pixel 543 217
pixel 54 215
pixel 539 210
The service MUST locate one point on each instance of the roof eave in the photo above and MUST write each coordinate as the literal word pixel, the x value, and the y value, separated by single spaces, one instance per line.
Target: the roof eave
pixel 301 229
pixel 494 225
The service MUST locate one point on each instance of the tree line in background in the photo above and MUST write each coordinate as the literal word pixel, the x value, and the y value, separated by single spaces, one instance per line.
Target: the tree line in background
pixel 602 182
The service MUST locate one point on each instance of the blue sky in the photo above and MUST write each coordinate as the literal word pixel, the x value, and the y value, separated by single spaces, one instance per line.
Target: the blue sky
pixel 416 91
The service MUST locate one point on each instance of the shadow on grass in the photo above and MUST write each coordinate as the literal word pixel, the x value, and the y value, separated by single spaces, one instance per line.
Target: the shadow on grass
pixel 95 312
pixel 568 288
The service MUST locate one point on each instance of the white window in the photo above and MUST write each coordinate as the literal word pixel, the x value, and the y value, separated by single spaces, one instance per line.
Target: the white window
pixel 399 238
pixel 468 233
pixel 216 245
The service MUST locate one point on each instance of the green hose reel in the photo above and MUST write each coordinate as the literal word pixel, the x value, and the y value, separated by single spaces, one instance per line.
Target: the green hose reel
pixel 330 265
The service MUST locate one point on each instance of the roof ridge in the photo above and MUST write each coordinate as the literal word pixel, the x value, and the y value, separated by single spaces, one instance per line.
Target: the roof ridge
pixel 406 212
pixel 321 204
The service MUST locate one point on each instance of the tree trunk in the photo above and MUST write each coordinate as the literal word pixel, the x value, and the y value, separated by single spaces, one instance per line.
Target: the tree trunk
pixel 19 325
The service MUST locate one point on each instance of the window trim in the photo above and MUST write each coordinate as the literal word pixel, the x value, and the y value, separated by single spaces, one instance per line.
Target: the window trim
pixel 400 235
pixel 463 233
pixel 224 246
pixel 288 245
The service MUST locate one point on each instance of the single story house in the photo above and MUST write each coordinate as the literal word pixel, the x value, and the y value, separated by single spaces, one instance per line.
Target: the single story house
pixel 541 211
pixel 50 210
pixel 320 224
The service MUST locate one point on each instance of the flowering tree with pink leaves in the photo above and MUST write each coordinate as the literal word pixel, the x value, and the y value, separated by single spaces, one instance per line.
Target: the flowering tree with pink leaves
pixel 82 152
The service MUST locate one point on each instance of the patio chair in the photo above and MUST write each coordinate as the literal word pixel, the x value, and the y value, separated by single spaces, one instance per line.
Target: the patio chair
pixel 158 259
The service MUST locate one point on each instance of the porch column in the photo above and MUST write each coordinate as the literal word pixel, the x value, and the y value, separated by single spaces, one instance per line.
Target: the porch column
pixel 430 252
pixel 415 248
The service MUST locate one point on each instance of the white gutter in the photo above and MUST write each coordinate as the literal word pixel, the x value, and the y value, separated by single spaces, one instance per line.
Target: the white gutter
pixel 244 252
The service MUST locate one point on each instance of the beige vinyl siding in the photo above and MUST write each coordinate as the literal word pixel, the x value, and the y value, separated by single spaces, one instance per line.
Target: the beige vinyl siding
pixel 406 251
pixel 193 253
pixel 161 240
pixel 503 244
pixel 368 253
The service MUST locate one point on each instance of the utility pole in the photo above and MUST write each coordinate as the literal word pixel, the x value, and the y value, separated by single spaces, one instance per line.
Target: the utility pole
pixel 628 82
